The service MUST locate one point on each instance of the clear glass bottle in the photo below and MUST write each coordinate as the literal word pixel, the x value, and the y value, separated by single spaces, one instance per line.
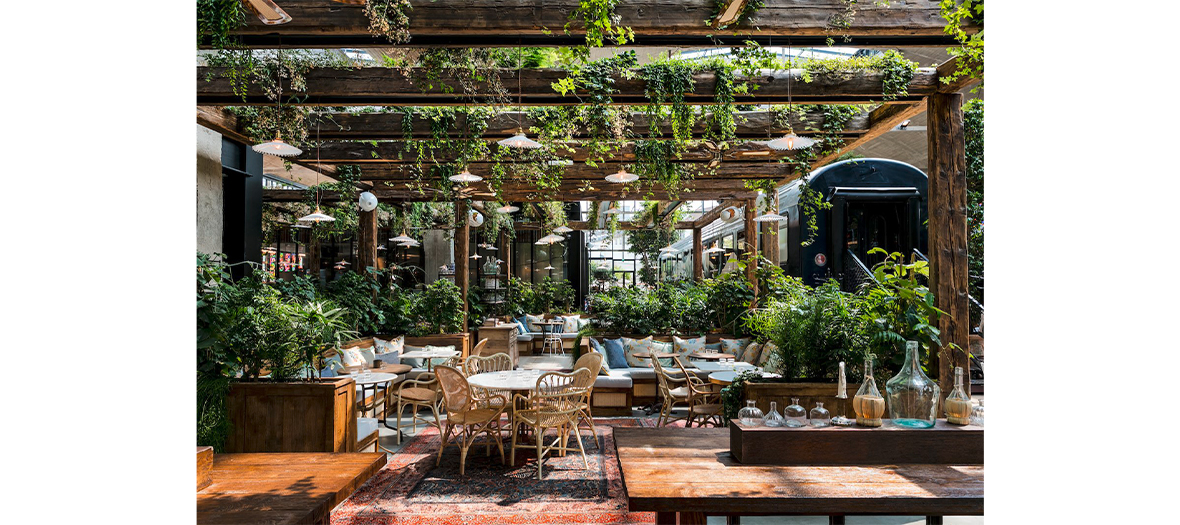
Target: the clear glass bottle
pixel 750 416
pixel 868 403
pixel 796 415
pixel 820 417
pixel 913 397
pixel 958 405
pixel 773 418
pixel 977 414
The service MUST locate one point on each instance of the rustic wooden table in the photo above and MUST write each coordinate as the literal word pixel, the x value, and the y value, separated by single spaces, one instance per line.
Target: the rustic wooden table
pixel 282 488
pixel 685 474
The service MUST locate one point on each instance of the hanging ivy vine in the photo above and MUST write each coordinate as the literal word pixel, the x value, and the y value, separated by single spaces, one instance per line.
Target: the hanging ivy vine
pixel 600 22
pixel 958 14
pixel 389 18
pixel 747 14
pixel 216 19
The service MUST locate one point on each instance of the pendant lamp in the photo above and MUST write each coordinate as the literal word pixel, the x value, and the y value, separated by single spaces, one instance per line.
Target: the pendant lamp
pixel 562 229
pixel 466 176
pixel 790 141
pixel 403 237
pixel 317 216
pixel 714 249
pixel 612 210
pixel 277 147
pixel 507 208
pixel 622 177
pixel 519 140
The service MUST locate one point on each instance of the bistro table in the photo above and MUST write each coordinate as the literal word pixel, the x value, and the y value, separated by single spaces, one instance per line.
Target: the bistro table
pixel 663 468
pixel 714 366
pixel 511 381
pixel 378 383
pixel 710 356
pixel 430 356
pixel 393 368
pixel 725 377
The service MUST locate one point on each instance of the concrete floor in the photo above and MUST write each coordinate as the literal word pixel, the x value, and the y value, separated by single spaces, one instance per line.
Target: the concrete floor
pixel 388 441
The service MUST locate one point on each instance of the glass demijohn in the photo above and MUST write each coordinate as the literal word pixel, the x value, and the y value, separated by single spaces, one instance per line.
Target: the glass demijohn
pixel 750 416
pixel 796 415
pixel 913 397
pixel 868 403
pixel 820 417
pixel 958 405
pixel 773 419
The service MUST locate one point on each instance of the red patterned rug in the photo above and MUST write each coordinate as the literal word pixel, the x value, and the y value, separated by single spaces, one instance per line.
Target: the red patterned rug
pixel 410 490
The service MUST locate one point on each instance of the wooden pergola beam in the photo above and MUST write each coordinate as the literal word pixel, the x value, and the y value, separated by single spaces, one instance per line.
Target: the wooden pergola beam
pixel 715 213
pixel 367 153
pixel 735 172
pixel 525 195
pixel 389 87
pixel 469 23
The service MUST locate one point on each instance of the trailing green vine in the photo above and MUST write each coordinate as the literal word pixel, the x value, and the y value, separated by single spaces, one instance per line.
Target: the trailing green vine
pixel 389 18
pixel 600 22
pixel 958 14
pixel 747 14
pixel 217 18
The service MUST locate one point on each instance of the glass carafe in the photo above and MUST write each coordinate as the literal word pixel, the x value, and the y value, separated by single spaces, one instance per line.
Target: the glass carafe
pixel 977 414
pixel 868 403
pixel 820 417
pixel 796 415
pixel 750 416
pixel 773 419
pixel 958 405
pixel 913 397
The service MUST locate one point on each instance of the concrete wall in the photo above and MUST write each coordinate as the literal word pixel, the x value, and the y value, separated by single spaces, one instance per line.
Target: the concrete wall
pixel 210 193
pixel 437 250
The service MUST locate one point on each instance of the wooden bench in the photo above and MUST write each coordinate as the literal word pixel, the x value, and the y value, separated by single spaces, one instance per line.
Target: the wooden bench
pixel 282 488
pixel 685 474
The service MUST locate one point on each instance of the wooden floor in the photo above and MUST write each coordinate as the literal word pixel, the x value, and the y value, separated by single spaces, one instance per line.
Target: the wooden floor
pixel 282 488
pixel 691 471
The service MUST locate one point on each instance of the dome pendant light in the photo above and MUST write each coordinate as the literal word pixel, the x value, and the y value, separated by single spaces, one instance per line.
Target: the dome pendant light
pixel 622 177
pixel 277 147
pixel 790 141
pixel 317 216
pixel 562 229
pixel 519 140
pixel 507 208
pixel 466 176
pixel 403 237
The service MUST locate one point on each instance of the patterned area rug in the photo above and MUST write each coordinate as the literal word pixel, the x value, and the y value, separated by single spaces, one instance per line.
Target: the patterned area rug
pixel 410 490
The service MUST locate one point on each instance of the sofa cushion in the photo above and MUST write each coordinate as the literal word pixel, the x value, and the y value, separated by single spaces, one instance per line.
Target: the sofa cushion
pixel 365 426
pixel 331 365
pixel 689 346
pixel 734 346
pixel 661 347
pixel 351 357
pixel 616 355
pixel 439 360
pixel 395 345
pixel 715 347
pixel 751 353
pixel 570 325
pixel 636 346
pixel 614 380
pixel 531 322
pixel 768 351
pixel 643 373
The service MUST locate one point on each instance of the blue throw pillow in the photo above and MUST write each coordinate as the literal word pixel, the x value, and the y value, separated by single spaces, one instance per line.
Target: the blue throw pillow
pixel 598 348
pixel 615 356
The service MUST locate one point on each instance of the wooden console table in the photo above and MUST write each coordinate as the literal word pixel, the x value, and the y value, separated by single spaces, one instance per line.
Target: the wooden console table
pixel 684 474
pixel 282 487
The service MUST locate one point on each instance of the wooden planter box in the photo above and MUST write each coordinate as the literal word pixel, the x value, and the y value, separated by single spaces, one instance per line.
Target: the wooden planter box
pixel 808 393
pixel 944 444
pixel 318 416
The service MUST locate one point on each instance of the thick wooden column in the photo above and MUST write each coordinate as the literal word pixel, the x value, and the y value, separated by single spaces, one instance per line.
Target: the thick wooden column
pixel 752 246
pixel 506 251
pixel 366 241
pixel 698 267
pixel 311 264
pixel 947 194
pixel 462 245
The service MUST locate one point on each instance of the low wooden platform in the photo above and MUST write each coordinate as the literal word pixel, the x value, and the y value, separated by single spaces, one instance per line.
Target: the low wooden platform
pixel 690 472
pixel 282 487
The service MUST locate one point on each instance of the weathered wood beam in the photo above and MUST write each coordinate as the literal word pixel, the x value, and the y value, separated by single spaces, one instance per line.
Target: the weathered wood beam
pixel 752 248
pixel 884 119
pixel 751 125
pixel 367 240
pixel 945 70
pixel 729 13
pixel 715 213
pixel 735 171
pixel 698 248
pixel 527 195
pixel 468 23
pixel 947 209
pixel 385 86
pixel 366 153
pixel 623 225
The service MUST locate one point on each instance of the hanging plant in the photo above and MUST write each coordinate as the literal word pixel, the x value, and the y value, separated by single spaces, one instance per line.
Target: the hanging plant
pixel 216 19
pixel 389 18
pixel 600 22
pixel 603 123
pixel 665 83
pixel 958 13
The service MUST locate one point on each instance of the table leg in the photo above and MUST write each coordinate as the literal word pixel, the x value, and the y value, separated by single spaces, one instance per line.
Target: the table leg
pixel 835 520
pixel 665 518
pixel 692 518
pixel 933 520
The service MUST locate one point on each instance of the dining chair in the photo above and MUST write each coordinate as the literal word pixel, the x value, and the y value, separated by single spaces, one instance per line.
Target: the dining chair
pixel 703 401
pixel 492 363
pixel 479 347
pixel 671 394
pixel 422 391
pixel 553 404
pixel 465 416
pixel 591 361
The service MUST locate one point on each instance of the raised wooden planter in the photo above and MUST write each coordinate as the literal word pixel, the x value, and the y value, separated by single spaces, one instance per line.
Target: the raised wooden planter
pixel 313 416
pixel 943 444
pixel 808 393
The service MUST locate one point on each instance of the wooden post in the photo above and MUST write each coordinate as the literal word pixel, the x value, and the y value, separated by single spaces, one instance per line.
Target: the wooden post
pixel 462 243
pixel 752 246
pixel 312 263
pixel 506 250
pixel 366 241
pixel 947 194
pixel 698 267
pixel 770 235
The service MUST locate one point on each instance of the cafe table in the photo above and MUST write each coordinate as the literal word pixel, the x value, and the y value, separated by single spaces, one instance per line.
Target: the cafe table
pixel 430 356
pixel 376 382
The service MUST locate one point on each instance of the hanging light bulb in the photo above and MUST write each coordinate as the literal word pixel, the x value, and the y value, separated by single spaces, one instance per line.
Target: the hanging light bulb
pixel 519 141
pixel 317 217
pixel 410 244
pixel 714 249
pixel 277 148
pixel 622 177
pixel 790 141
pixel 466 176
pixel 562 229
pixel 381 248
pixel 476 256
pixel 403 237
pixel 507 208
pixel 550 267
pixel 343 262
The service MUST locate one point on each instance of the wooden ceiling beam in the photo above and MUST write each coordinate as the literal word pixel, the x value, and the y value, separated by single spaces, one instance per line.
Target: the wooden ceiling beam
pixel 736 172
pixel 946 69
pixel 715 213
pixel 389 87
pixel 469 23
pixel 395 195
pixel 364 153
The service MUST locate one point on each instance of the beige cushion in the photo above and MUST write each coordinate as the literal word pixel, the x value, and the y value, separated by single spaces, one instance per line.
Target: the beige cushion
pixel 531 322
pixel 351 357
pixel 396 345
pixel 768 352
pixel 734 346
pixel 634 346
pixel 571 323
pixel 751 353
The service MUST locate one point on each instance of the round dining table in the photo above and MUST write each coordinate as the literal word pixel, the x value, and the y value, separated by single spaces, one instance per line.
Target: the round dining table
pixel 377 382
pixel 430 356
pixel 710 356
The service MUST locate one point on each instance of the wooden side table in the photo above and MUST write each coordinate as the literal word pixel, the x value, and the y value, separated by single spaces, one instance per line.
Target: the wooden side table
pixel 501 340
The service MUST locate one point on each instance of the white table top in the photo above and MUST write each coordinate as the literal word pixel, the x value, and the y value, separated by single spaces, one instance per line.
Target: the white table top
pixel 726 376
pixel 424 354
pixel 375 377
pixel 514 380
pixel 714 366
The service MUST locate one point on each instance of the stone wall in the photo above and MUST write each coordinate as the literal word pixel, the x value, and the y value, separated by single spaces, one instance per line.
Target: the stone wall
pixel 210 216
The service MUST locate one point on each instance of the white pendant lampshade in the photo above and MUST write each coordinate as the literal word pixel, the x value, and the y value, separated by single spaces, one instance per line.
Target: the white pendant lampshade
pixel 550 267
pixel 507 208
pixel 474 219
pixel 550 239
pixel 562 229
pixel 519 141
pixel 622 177
pixel 466 176
pixel 769 217
pixel 410 244
pixel 714 249
pixel 277 148
pixel 317 216
pixel 790 141
pixel 343 262
pixel 476 256
pixel 612 210
pixel 403 238
pixel 667 249
pixel 381 248
pixel 367 201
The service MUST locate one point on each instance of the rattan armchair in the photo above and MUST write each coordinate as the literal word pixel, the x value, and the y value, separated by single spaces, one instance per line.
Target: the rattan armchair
pixel 591 361
pixel 678 386
pixel 417 393
pixel 467 416
pixel 703 401
pixel 492 363
pixel 554 404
